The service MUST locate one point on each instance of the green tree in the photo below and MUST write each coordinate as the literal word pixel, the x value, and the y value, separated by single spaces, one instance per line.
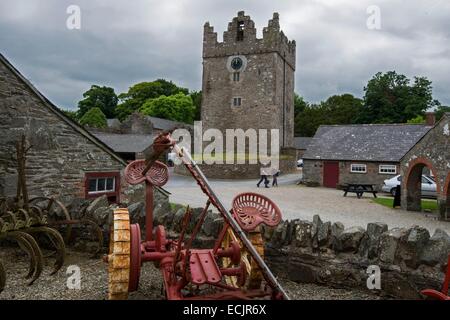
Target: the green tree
pixel 440 112
pixel 73 115
pixel 299 104
pixel 342 109
pixel 391 98
pixel 139 93
pixel 178 107
pixel 196 97
pixel 103 98
pixel 307 122
pixel 416 120
pixel 337 109
pixel 94 118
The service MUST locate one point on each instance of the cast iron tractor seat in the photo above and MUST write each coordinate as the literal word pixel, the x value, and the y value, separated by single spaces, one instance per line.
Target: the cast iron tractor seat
pixel 252 209
pixel 157 175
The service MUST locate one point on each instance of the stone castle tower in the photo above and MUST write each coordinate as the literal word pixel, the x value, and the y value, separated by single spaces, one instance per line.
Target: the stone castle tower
pixel 249 82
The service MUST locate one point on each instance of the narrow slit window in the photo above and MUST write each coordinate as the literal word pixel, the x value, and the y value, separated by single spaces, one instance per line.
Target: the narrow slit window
pixel 236 77
pixel 237 102
pixel 240 31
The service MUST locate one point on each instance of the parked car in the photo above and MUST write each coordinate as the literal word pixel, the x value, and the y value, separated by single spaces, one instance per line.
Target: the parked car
pixel 428 185
pixel 300 163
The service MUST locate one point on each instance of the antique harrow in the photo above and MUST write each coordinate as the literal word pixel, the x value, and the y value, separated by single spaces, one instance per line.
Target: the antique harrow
pixel 28 220
pixel 233 269
pixel 24 222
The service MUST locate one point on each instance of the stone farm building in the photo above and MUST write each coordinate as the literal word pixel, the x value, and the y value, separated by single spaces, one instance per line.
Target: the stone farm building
pixel 368 153
pixel 132 138
pixel 301 144
pixel 432 151
pixel 65 160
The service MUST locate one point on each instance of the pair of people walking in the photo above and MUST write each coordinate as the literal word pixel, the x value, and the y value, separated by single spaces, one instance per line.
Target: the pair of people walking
pixel 264 173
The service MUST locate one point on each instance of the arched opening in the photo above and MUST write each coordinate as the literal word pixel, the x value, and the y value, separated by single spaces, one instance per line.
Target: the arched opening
pixel 447 198
pixel 422 187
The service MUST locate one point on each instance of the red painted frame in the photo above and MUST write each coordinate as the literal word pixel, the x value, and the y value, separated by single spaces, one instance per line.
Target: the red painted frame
pixel 116 193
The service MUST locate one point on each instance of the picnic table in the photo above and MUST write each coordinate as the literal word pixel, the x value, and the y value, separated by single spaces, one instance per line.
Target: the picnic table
pixel 359 189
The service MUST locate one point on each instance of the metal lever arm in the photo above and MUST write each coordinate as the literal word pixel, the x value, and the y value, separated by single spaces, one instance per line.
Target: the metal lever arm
pixel 204 184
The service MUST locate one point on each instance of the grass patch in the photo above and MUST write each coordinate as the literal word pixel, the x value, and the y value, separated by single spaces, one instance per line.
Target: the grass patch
pixel 426 204
pixel 175 206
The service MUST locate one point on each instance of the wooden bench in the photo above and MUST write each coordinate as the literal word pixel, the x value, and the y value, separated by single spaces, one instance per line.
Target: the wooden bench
pixel 359 189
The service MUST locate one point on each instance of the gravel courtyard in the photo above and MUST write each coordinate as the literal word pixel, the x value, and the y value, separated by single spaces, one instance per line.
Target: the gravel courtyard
pixel 300 202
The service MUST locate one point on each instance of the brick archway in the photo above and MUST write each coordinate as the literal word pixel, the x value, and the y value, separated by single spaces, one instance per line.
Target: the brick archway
pixel 413 183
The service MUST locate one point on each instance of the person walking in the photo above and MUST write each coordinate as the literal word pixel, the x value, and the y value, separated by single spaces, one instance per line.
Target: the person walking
pixel 275 180
pixel 263 174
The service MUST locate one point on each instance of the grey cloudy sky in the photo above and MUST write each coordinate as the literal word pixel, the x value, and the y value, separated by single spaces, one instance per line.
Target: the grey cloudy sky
pixel 124 42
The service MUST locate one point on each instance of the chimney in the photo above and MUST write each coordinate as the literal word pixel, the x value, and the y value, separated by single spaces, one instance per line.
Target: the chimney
pixel 430 118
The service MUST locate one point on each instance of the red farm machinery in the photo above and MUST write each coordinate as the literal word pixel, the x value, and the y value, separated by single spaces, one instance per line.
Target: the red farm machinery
pixel 233 269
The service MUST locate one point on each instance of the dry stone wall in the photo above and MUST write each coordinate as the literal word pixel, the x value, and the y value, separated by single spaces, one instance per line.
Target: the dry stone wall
pixel 326 253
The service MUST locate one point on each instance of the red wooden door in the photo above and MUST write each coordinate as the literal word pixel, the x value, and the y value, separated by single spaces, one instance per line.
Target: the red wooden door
pixel 330 174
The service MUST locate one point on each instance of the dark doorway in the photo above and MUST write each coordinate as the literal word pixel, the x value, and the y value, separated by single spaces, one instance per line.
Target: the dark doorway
pixel 419 185
pixel 330 174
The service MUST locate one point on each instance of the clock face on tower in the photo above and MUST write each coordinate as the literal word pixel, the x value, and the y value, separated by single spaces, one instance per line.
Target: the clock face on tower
pixel 236 63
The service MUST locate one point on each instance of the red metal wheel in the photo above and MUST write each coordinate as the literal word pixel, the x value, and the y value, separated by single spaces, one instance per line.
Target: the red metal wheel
pixel 252 209
pixel 157 175
pixel 135 257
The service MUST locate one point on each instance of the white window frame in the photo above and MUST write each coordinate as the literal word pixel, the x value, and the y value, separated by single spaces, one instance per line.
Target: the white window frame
pixel 382 167
pixel 106 190
pixel 352 170
pixel 237 102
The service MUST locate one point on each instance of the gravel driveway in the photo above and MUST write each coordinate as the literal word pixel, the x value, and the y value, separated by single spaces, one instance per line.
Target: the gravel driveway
pixel 300 202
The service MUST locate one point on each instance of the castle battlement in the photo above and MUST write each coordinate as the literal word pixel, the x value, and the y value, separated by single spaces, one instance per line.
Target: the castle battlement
pixel 240 38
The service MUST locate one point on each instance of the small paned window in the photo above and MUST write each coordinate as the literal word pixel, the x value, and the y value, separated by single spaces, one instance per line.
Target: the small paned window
pixel 358 168
pixel 387 169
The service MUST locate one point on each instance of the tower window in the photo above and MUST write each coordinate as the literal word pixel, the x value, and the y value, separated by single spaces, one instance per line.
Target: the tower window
pixel 237 102
pixel 236 76
pixel 240 31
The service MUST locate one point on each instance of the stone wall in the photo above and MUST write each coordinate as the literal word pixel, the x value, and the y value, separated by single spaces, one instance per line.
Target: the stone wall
pixel 330 254
pixel 313 173
pixel 433 152
pixel 61 152
pixel 237 171
pixel 324 253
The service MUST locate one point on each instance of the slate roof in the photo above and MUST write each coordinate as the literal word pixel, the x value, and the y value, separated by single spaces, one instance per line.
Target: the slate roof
pixel 366 142
pixel 125 143
pixel 302 142
pixel 158 123
pixel 164 124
